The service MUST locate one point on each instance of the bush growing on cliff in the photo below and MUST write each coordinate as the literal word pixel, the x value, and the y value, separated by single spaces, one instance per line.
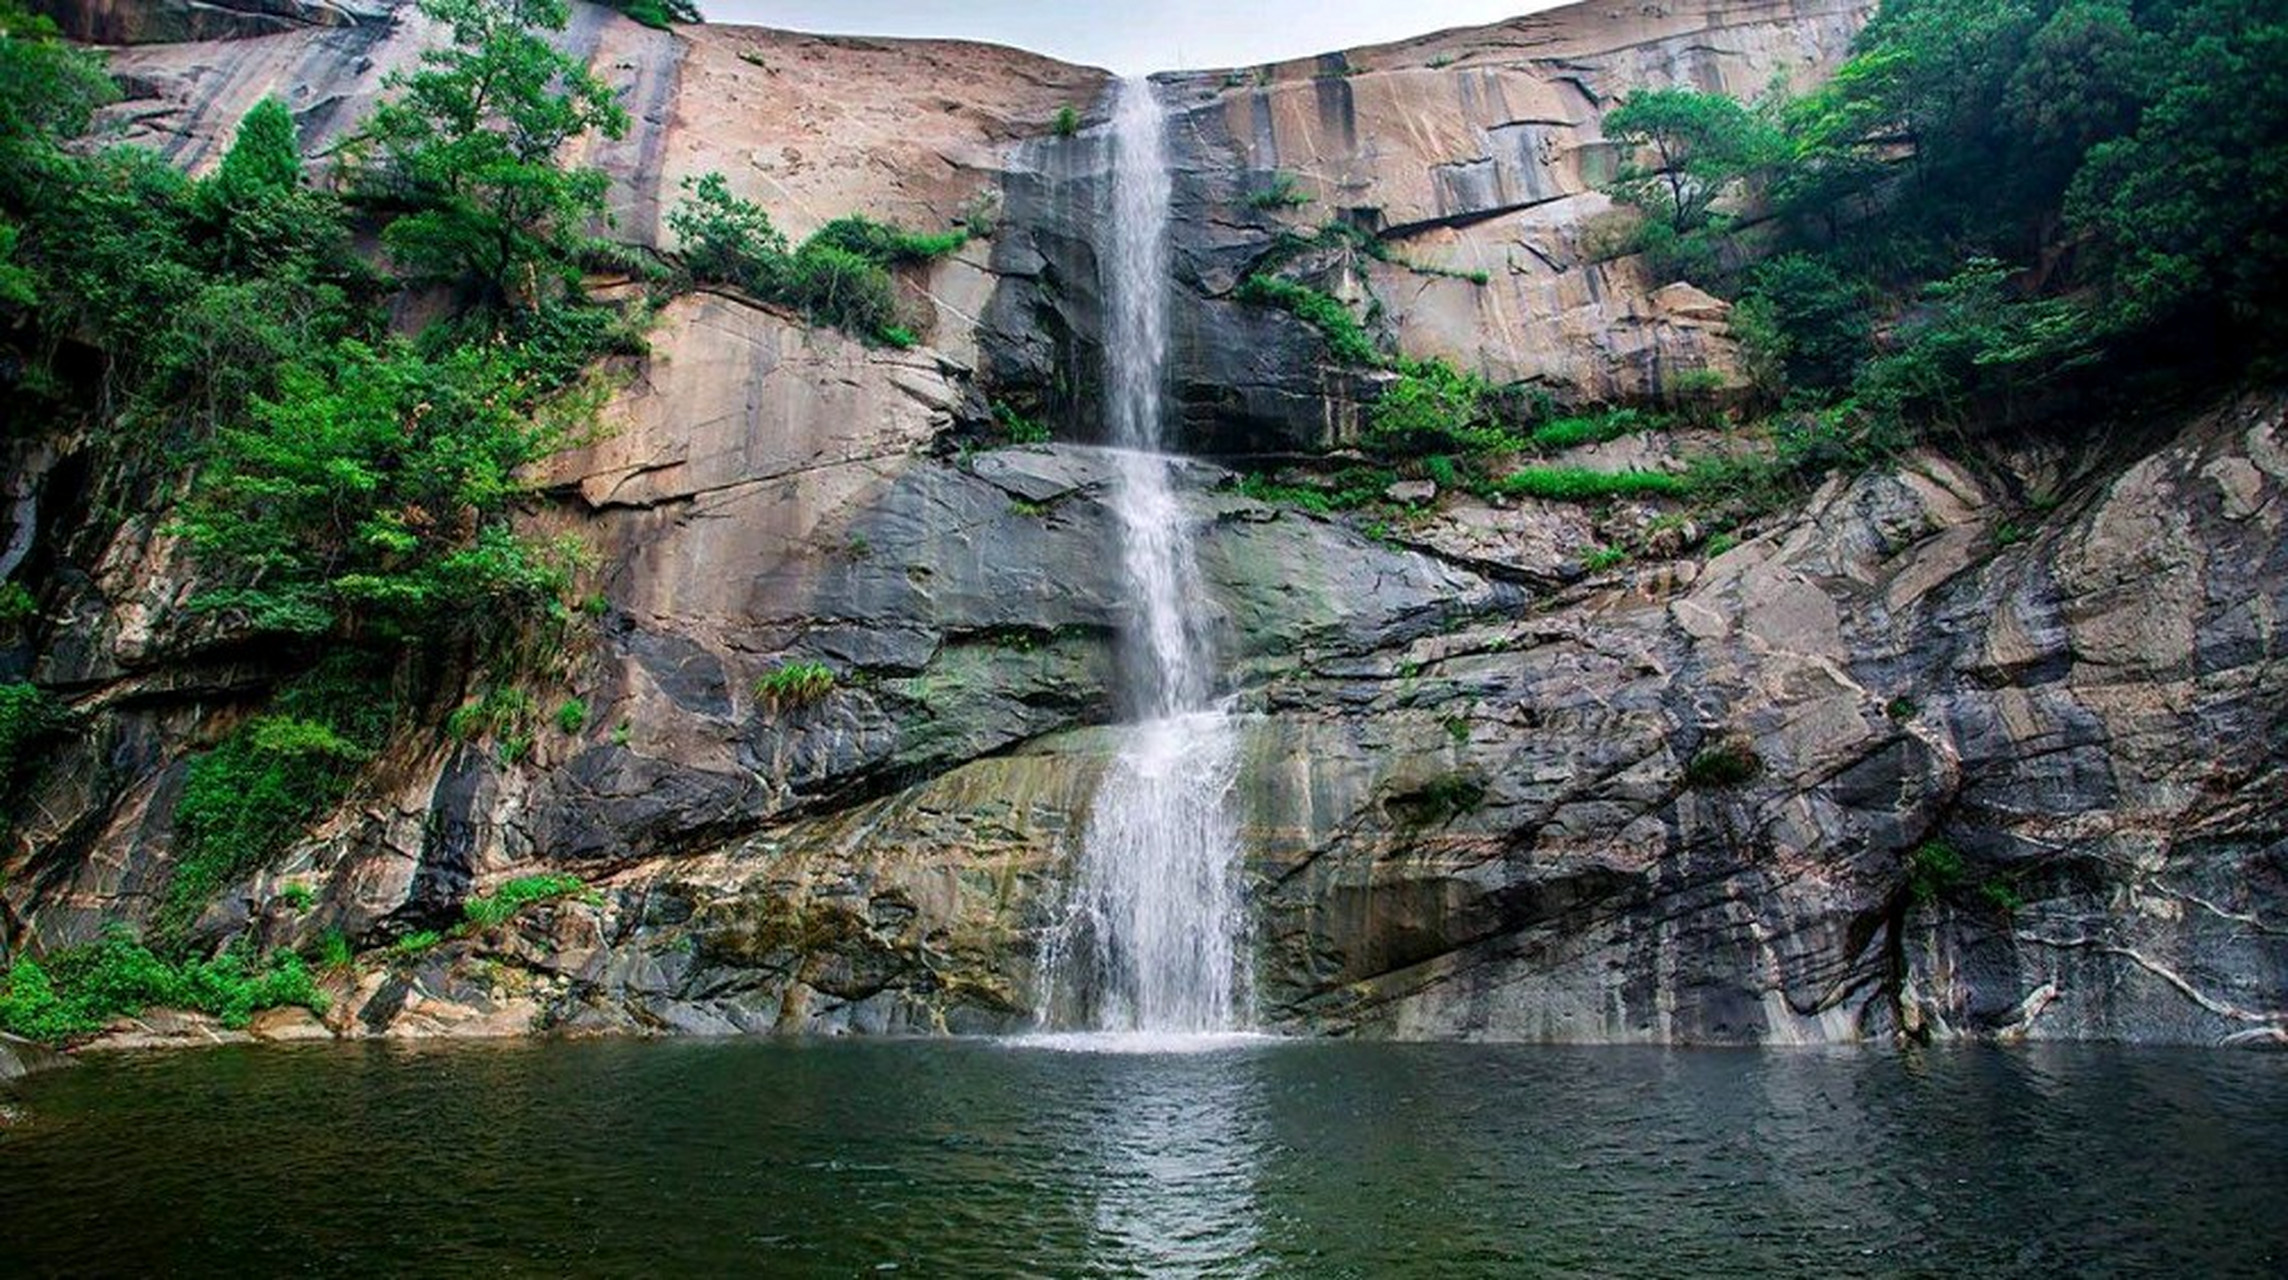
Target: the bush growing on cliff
pixel 80 990
pixel 839 276
pixel 1346 338
pixel 30 719
pixel 502 904
pixel 658 13
pixel 1434 408
pixel 796 684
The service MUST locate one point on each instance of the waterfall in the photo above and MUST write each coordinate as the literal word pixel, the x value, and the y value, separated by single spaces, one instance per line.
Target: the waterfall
pixel 1156 907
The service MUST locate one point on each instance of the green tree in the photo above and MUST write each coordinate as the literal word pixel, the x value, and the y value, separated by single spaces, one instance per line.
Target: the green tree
pixel 374 494
pixel 266 158
pixel 1703 146
pixel 470 148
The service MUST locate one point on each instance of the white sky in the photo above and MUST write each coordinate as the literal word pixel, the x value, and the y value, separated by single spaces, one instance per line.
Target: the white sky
pixel 1134 35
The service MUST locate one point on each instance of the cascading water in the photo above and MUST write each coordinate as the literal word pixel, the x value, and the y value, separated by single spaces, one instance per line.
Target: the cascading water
pixel 1156 911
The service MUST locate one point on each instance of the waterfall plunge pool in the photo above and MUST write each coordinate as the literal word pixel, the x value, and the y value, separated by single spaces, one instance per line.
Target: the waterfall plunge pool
pixel 1255 1157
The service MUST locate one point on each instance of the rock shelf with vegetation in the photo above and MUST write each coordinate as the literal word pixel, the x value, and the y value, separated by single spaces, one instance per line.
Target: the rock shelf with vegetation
pixel 1731 521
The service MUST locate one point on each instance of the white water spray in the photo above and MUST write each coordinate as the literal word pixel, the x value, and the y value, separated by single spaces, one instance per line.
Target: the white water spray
pixel 1157 913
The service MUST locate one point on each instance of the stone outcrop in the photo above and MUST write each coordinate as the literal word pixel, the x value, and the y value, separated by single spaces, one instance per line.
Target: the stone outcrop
pixel 1486 791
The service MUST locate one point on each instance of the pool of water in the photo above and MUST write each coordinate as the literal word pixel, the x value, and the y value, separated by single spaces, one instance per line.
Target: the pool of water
pixel 1077 1158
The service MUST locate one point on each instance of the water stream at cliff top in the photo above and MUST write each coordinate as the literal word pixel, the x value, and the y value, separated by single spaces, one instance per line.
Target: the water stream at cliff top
pixel 1151 945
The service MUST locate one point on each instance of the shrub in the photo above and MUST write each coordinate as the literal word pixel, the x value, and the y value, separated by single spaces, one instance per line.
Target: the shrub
pixel 1346 338
pixel 1018 428
pixel 888 245
pixel 796 684
pixel 1577 484
pixel 487 910
pixel 30 718
pixel 837 287
pixel 81 989
pixel 1726 764
pixel 333 951
pixel 1280 193
pixel 1434 408
pixel 1604 558
pixel 243 801
pixel 726 240
pixel 297 896
pixel 17 603
pixel 418 943
pixel 657 13
pixel 1804 316
pixel 1721 543
pixel 2002 897
pixel 1068 121
pixel 572 717
pixel 1347 489
pixel 499 711
pixel 1572 432
pixel 1934 867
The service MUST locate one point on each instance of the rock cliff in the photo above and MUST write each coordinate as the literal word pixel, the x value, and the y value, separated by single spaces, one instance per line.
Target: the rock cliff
pixel 1475 791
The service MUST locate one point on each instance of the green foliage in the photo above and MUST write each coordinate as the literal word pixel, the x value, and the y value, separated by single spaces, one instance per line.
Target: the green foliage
pixel 468 146
pixel 1346 490
pixel 887 245
pixel 1440 800
pixel 1067 122
pixel 1433 408
pixel 1279 193
pixel 572 717
pixel 726 240
pixel 17 603
pixel 247 798
pixel 2001 896
pixel 1702 147
pixel 80 990
pixel 839 276
pixel 1720 544
pixel 1584 429
pixel 1604 558
pixel 658 13
pixel 2138 152
pixel 1900 709
pixel 1577 484
pixel 1016 427
pixel 1934 868
pixel 265 161
pixel 333 952
pixel 298 896
pixel 30 719
pixel 500 710
pixel 1346 339
pixel 416 944
pixel 1974 347
pixel 1724 765
pixel 380 487
pixel 1808 320
pixel 796 684
pixel 487 910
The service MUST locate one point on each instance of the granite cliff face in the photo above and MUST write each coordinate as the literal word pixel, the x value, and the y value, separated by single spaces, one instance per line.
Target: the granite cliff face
pixel 1468 791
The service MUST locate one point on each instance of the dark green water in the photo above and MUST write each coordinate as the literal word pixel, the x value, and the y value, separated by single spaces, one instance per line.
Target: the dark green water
pixel 977 1159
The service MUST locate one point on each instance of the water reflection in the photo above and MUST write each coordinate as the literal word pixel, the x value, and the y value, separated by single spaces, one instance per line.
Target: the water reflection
pixel 1248 1158
pixel 1177 1143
